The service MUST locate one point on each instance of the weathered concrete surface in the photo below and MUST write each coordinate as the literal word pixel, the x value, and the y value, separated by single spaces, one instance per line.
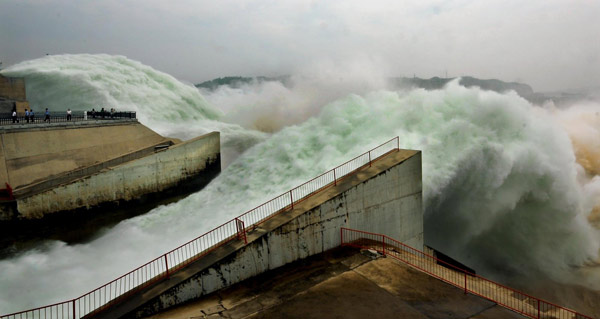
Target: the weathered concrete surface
pixel 12 88
pixel 70 176
pixel 340 283
pixel 37 153
pixel 393 187
pixel 12 94
pixel 150 174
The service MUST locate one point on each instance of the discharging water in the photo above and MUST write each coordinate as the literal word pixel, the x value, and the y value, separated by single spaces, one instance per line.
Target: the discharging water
pixel 504 190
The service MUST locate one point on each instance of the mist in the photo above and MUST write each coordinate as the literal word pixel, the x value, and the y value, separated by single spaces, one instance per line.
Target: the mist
pixel 269 106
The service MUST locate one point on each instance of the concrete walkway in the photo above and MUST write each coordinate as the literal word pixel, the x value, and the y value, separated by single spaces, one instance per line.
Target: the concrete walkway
pixel 340 283
pixel 476 285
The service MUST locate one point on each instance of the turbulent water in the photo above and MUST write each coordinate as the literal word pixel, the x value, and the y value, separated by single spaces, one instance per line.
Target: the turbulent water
pixel 502 183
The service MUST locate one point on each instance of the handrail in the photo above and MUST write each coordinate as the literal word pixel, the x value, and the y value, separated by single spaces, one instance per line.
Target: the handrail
pixel 507 297
pixel 76 116
pixel 163 266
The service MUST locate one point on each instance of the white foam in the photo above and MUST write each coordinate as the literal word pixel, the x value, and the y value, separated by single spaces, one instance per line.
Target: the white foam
pixel 499 176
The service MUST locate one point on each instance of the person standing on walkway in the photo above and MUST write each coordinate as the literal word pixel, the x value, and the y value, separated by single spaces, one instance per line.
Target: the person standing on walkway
pixel 47 118
pixel 68 114
pixel 31 115
pixel 14 116
pixel 27 115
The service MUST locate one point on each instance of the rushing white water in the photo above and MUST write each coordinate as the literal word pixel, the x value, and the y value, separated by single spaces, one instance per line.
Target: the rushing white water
pixel 86 81
pixel 501 182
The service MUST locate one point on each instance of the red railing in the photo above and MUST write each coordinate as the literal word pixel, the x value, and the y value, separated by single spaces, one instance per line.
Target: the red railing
pixel 185 254
pixel 514 300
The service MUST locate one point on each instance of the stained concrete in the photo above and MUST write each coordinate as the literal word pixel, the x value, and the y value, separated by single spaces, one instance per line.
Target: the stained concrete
pixel 340 283
pixel 12 88
pixel 59 167
pixel 36 153
pixel 153 173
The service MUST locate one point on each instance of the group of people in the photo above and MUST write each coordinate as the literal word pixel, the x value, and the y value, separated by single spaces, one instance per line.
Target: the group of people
pixel 102 113
pixel 30 115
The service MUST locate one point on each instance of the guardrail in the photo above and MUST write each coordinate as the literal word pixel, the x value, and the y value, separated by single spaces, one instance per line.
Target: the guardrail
pixel 507 297
pixel 76 116
pixel 161 267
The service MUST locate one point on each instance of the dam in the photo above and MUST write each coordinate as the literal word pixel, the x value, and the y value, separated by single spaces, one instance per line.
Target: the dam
pixel 87 159
pixel 372 202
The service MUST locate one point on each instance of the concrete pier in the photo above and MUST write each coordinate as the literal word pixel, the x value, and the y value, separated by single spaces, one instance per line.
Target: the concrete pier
pixel 66 166
pixel 384 198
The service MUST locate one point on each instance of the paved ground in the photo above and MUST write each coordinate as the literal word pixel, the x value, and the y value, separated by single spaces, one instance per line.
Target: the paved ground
pixel 341 283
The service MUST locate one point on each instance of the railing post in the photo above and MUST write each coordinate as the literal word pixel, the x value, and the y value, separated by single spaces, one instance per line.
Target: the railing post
pixel 538 309
pixel 341 236
pixel 334 178
pixel 167 266
pixel 241 229
pixel 369 158
pixel 292 199
pixel 465 281
pixel 383 242
pixel 73 308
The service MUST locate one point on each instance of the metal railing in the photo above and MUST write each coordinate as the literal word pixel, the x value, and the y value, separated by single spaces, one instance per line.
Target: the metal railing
pixel 163 266
pixel 507 297
pixel 76 116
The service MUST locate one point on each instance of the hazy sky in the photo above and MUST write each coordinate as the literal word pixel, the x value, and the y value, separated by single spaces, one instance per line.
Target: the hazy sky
pixel 548 44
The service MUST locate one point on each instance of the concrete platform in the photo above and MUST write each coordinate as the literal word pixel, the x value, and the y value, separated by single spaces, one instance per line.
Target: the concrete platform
pixel 340 283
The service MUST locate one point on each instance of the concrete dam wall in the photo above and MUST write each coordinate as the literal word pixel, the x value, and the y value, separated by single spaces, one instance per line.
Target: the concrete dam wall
pixel 67 166
pixel 12 94
pixel 385 198
pixel 35 153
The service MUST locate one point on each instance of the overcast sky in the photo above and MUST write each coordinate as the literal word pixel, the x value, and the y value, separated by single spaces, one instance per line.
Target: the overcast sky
pixel 548 44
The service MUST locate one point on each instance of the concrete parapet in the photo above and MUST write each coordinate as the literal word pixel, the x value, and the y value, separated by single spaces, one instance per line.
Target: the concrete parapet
pixel 40 125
